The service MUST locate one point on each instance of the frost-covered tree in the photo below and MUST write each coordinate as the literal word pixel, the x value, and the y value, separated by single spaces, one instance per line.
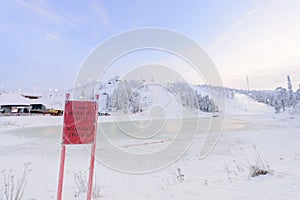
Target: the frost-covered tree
pixel 277 106
pixel 135 102
pixel 229 93
pixel 297 94
pixel 125 96
pixel 185 94
pixel 291 98
pixel 282 97
pixel 206 104
pixel 120 97
pixel 191 99
pixel 297 100
pixel 289 83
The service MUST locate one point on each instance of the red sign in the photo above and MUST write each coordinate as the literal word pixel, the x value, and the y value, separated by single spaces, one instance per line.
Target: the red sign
pixel 80 118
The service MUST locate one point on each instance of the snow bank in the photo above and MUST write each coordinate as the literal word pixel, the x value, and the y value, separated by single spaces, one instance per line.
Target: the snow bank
pixel 224 174
pixel 7 122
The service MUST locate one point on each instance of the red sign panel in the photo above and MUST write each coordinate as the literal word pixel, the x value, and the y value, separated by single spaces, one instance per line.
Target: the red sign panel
pixel 80 120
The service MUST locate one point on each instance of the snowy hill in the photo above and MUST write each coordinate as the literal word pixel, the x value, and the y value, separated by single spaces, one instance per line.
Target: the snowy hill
pixel 236 103
pixel 242 104
pixel 155 100
pixel 161 103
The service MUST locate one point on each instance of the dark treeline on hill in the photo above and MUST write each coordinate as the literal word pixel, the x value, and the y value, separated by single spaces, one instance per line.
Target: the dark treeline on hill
pixel 191 98
pixel 134 95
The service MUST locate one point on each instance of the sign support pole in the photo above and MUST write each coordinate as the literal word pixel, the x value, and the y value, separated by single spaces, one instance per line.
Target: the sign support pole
pixel 92 162
pixel 62 163
pixel 91 173
pixel 61 171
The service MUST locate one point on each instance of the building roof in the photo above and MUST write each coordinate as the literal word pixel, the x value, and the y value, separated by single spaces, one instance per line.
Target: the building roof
pixel 31 96
pixel 19 99
pixel 13 99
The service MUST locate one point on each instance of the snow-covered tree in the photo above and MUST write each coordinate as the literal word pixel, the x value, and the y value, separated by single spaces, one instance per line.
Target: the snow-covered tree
pixel 297 94
pixel 135 102
pixel 191 99
pixel 291 98
pixel 289 83
pixel 126 96
pixel 297 100
pixel 282 97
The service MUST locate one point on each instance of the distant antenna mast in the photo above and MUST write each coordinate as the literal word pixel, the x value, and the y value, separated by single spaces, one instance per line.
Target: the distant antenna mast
pixel 248 87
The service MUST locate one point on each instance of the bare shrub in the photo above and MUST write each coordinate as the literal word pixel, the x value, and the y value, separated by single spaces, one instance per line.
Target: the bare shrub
pixel 13 188
pixel 251 168
pixel 255 171
pixel 81 186
pixel 180 176
pixel 260 167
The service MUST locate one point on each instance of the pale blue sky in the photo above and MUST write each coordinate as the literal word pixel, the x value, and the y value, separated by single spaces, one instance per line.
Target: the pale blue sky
pixel 43 43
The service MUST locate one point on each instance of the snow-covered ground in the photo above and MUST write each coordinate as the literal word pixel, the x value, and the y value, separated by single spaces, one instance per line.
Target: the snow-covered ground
pixel 253 136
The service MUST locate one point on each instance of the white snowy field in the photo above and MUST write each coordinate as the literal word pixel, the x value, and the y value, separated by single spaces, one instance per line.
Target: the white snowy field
pixel 252 136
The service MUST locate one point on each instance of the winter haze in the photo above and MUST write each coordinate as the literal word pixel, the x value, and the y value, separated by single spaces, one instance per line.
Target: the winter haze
pixel 163 100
